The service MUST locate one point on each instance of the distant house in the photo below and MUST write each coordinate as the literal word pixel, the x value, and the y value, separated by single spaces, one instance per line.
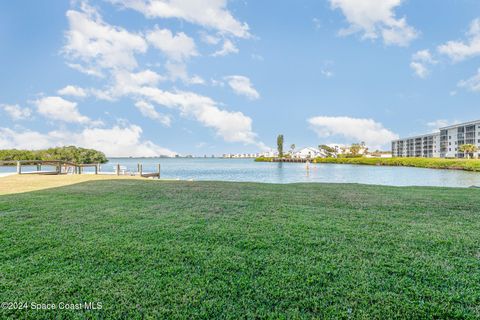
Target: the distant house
pixel 310 153
pixel 269 154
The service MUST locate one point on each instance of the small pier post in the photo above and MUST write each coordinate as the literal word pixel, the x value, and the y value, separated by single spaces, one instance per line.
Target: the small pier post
pixel 118 169
pixel 159 171
pixel 96 168
pixel 39 167
pixel 140 169
pixel 19 167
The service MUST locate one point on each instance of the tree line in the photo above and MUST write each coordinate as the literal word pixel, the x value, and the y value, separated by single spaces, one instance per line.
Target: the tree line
pixel 70 154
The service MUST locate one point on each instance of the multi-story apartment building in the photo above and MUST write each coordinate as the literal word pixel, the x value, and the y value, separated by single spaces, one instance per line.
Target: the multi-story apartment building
pixel 443 144
pixel 427 146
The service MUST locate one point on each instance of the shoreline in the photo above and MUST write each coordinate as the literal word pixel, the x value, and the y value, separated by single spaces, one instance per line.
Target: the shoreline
pixel 472 165
pixel 15 184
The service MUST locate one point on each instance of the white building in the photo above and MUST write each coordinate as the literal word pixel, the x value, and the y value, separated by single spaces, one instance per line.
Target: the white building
pixel 310 153
pixel 443 144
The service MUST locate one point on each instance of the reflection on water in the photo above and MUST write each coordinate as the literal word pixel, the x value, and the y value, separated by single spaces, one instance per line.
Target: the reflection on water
pixel 273 172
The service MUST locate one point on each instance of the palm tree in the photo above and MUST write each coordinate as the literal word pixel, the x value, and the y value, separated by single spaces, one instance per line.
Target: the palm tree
pixel 468 149
pixel 280 145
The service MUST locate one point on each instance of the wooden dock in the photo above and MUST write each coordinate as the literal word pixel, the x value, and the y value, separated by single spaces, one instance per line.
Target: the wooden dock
pixel 65 167
pixel 296 160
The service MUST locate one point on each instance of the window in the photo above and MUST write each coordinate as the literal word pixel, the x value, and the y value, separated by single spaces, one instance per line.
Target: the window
pixel 449 137
pixel 449 149
pixel 449 143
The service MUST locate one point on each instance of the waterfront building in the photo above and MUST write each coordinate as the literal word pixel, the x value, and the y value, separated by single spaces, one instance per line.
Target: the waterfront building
pixel 443 144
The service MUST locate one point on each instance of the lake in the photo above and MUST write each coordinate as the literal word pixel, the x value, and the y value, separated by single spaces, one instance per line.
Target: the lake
pixel 270 172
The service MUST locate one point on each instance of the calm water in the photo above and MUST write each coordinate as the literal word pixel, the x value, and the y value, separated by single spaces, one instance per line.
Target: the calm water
pixel 248 170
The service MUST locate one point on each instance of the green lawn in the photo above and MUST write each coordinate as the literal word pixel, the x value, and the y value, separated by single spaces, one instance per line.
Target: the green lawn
pixel 242 250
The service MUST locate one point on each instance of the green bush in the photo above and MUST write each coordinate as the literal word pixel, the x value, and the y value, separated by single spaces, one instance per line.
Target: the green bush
pixel 433 163
pixel 70 153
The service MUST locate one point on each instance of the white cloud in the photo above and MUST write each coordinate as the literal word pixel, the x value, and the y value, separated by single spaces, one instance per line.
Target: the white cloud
pixel 227 48
pixel 16 112
pixel 420 62
pixel 105 48
pixel 461 50
pixel 354 129
pixel 100 45
pixel 231 126
pixel 327 73
pixel 424 56
pixel 148 110
pixel 472 84
pixel 242 85
pixel 376 19
pixel 209 39
pixel 118 141
pixel 178 71
pixel 207 13
pixel 177 47
pixel 90 71
pixel 440 123
pixel 73 91
pixel 57 108
pixel 419 68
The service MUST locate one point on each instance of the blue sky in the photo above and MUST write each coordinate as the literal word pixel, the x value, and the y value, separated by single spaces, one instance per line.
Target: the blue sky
pixel 150 77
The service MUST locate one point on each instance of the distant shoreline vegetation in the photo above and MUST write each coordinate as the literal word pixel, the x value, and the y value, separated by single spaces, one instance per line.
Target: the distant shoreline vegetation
pixel 70 154
pixel 430 163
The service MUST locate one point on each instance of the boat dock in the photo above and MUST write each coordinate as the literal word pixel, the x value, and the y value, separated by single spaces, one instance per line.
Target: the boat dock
pixel 298 160
pixel 58 167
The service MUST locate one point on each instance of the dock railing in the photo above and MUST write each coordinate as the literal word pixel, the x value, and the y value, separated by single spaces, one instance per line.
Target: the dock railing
pixel 66 167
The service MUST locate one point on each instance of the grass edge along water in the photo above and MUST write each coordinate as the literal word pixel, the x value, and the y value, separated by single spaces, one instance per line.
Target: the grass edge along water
pixel 430 163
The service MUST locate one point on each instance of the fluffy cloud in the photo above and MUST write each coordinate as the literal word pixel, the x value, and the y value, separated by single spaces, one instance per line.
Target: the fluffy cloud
pixel 148 110
pixel 472 84
pixel 112 51
pixel 227 48
pixel 420 62
pixel 72 91
pixel 231 126
pixel 16 112
pixel 100 45
pixel 57 108
pixel 376 19
pixel 177 47
pixel 207 13
pixel 242 85
pixel 353 129
pixel 91 71
pixel 178 71
pixel 118 141
pixel 461 50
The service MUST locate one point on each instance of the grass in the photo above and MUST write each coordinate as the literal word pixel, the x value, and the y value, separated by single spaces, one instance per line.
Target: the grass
pixel 205 250
pixel 432 163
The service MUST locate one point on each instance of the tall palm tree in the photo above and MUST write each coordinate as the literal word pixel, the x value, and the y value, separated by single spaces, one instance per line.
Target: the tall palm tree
pixel 280 145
